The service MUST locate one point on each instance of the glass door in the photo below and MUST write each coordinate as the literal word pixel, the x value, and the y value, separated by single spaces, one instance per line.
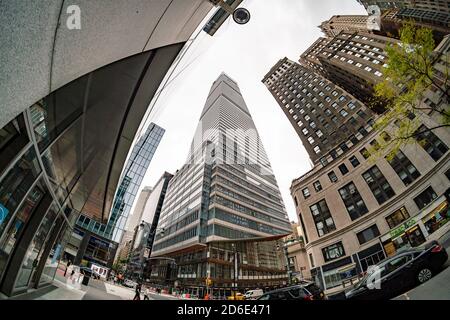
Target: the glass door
pixel 35 249
pixel 53 258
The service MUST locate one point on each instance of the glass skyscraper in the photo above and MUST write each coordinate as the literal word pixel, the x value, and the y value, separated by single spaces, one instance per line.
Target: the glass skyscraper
pixel 131 179
pixel 226 192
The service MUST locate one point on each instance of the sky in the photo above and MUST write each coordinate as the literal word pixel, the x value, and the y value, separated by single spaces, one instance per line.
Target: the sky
pixel 277 29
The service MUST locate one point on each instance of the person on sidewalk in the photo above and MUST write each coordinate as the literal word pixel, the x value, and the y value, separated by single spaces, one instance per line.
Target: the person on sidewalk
pixel 137 296
pixel 147 293
pixel 67 267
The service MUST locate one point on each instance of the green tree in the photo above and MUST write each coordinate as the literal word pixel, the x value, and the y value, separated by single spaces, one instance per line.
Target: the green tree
pixel 411 71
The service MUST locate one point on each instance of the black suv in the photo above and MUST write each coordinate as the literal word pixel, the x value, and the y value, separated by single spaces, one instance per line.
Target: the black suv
pixel 307 291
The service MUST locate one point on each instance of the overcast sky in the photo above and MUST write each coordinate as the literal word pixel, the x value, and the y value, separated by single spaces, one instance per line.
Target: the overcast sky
pixel 277 29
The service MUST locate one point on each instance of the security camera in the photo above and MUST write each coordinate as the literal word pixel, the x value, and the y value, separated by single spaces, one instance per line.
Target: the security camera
pixel 241 16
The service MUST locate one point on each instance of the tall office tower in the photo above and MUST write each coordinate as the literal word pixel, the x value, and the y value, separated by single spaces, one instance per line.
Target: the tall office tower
pixel 136 217
pixel 352 60
pixel 224 201
pixel 131 179
pixel 352 23
pixel 328 120
pixel 145 228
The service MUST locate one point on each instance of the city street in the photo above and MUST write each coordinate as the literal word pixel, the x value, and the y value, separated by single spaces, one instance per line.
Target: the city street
pixel 96 290
pixel 437 288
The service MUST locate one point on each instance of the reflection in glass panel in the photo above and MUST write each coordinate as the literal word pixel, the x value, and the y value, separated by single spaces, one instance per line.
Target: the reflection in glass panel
pixel 16 184
pixel 21 218
pixel 61 160
pixel 53 114
pixel 35 249
pixel 13 137
pixel 51 264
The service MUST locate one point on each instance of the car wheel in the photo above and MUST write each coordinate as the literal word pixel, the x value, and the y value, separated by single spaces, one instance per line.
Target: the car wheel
pixel 424 275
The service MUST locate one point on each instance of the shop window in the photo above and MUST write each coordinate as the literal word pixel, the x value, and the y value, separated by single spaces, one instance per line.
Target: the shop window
pixel 333 252
pixel 437 218
pixel 376 181
pixel 322 218
pixel 15 185
pixel 404 168
pixel 425 198
pixel 353 201
pixel 431 143
pixel 21 218
pixel 368 234
pixel 372 260
pixel 394 219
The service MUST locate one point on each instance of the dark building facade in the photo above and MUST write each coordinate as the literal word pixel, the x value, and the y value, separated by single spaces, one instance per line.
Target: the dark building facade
pixel 327 118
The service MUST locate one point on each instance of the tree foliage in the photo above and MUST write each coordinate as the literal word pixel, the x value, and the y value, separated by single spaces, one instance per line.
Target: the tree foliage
pixel 410 71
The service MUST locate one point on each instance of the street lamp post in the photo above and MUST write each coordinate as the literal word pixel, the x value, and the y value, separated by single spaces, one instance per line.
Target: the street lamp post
pixel 235 268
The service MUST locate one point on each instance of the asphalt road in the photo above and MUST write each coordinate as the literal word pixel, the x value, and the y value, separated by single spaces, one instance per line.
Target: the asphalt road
pixel 437 288
pixel 97 291
pixel 155 296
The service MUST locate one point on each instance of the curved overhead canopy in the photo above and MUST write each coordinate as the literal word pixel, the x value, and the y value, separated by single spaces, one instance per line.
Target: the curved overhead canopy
pixel 40 54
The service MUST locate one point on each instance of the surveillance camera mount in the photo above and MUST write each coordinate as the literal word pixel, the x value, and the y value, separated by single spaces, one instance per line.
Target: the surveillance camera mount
pixel 225 6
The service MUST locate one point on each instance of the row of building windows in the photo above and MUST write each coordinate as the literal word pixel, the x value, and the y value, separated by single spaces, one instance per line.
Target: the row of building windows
pixel 400 163
pixel 240 208
pixel 192 217
pixel 188 234
pixel 356 208
pixel 244 222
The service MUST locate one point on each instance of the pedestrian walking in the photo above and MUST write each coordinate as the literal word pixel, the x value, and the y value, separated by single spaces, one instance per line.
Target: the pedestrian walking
pixel 67 267
pixel 137 296
pixel 147 293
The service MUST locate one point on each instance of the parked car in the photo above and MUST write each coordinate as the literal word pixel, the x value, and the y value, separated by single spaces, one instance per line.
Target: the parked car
pixel 296 292
pixel 253 294
pixel 129 283
pixel 400 273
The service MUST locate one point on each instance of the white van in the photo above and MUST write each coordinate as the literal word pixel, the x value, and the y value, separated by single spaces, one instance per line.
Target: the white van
pixel 253 294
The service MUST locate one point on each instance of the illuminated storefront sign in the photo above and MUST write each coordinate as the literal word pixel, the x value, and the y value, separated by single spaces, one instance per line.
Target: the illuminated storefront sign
pixel 402 228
